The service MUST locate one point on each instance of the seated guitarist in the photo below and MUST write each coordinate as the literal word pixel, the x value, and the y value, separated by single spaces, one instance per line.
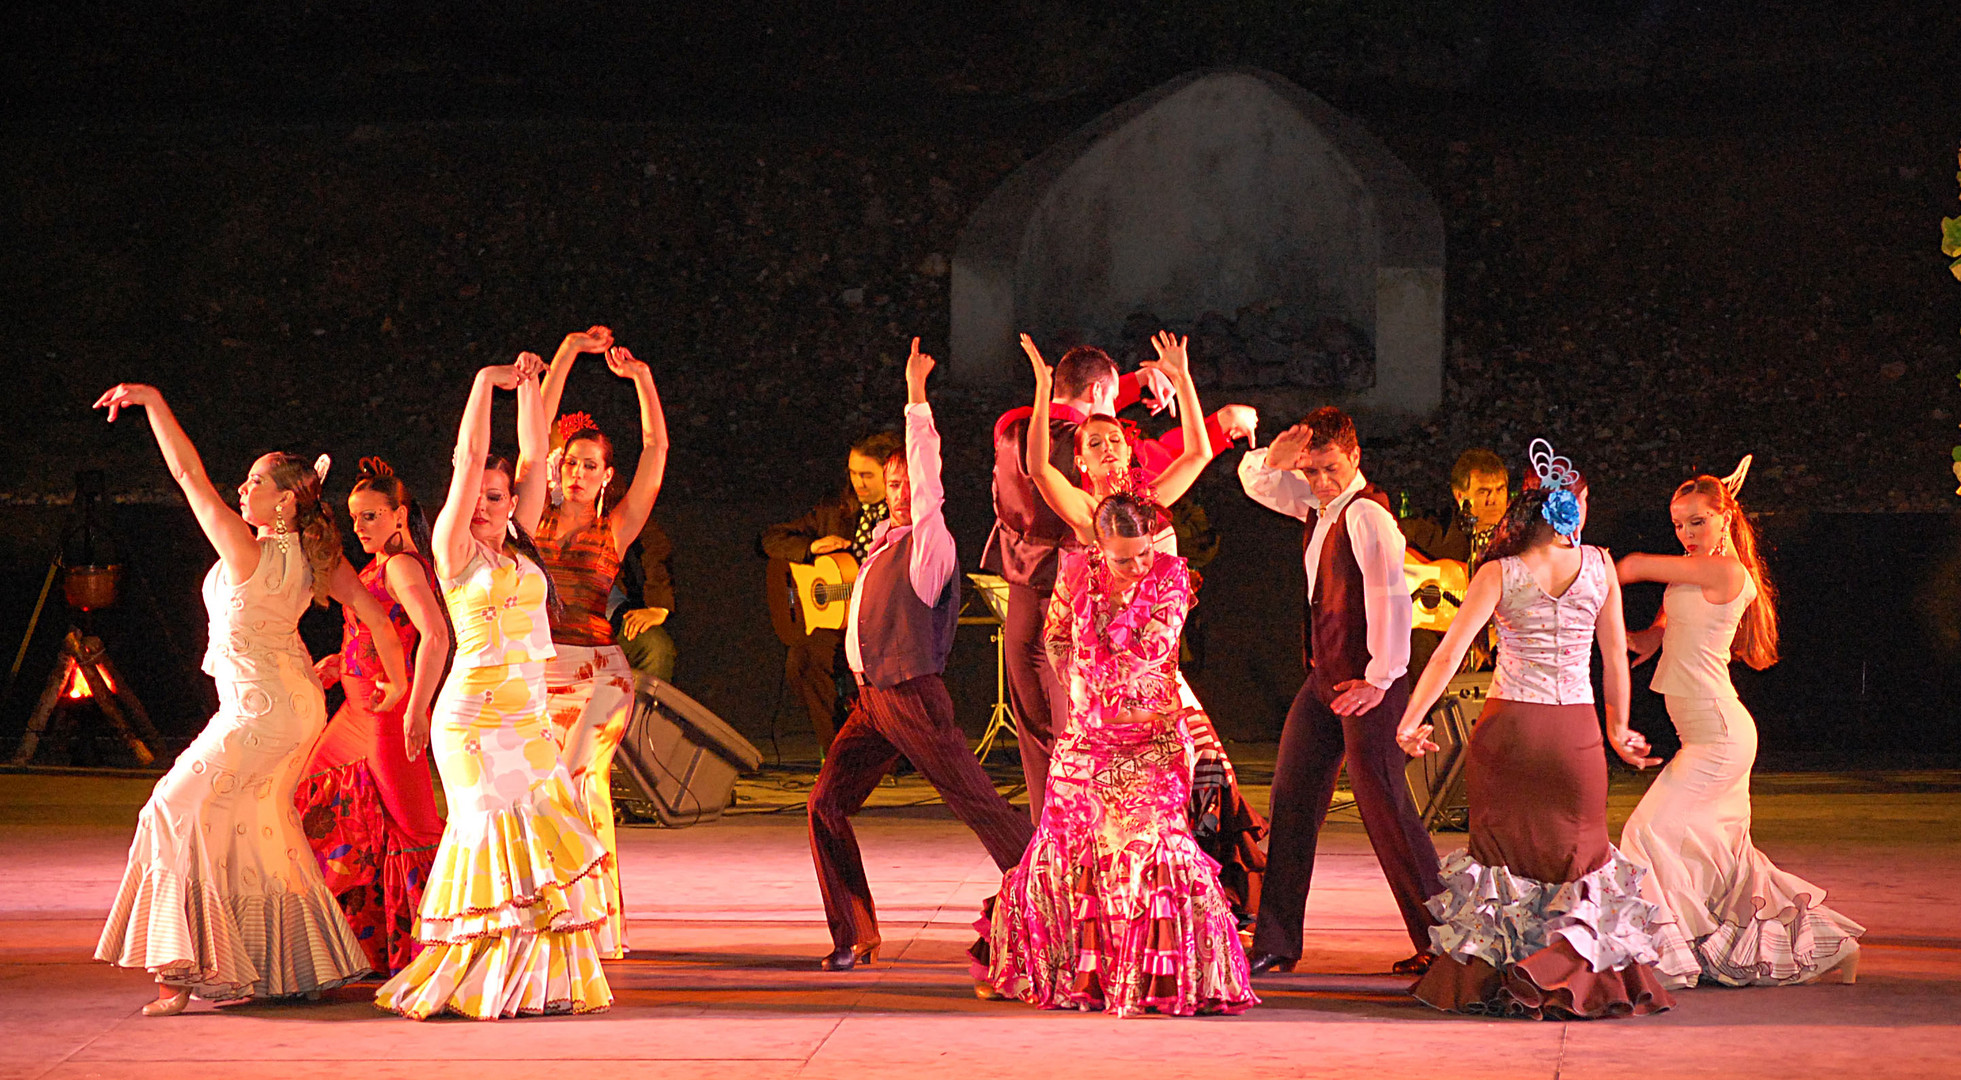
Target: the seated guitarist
pixel 844 522
pixel 1479 491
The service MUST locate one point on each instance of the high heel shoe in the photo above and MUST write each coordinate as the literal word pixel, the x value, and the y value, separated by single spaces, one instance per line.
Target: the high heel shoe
pixel 169 1006
pixel 846 959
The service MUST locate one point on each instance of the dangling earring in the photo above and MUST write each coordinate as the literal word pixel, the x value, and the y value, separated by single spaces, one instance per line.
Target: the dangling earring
pixel 279 536
pixel 395 544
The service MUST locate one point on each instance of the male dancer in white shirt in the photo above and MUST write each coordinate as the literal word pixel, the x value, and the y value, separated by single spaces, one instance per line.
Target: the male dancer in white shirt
pixel 1357 643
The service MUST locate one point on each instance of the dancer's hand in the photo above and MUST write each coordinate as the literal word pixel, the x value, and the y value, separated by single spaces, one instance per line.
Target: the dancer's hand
pixel 640 620
pixel 328 668
pixel 1044 374
pixel 1162 396
pixel 415 732
pixel 512 375
pixel 1632 746
pixel 918 366
pixel 1173 357
pixel 1284 452
pixel 387 695
pixel 529 365
pixel 1642 645
pixel 1415 740
pixel 621 361
pixel 1241 422
pixel 597 339
pixel 1355 697
pixel 127 395
pixel 824 545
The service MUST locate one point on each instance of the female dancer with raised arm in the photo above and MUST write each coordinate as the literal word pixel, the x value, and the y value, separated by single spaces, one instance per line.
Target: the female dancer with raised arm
pixel 1541 917
pixel 514 896
pixel 1114 906
pixel 1750 923
pixel 589 682
pixel 366 802
pixel 221 897
pixel 1228 829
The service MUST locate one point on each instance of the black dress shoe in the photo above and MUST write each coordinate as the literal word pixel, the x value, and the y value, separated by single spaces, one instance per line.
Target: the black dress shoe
pixel 1264 962
pixel 1414 965
pixel 846 959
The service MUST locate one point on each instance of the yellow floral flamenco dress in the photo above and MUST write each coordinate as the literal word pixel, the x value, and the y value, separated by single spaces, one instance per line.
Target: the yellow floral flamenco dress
pixel 508 915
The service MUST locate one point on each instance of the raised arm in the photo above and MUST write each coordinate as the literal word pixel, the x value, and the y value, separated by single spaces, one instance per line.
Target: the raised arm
pixel 346 587
pixel 534 445
pixel 450 538
pixel 1178 477
pixel 1719 576
pixel 1610 633
pixel 1268 479
pixel 598 339
pixel 934 554
pixel 1070 503
pixel 409 586
pixel 633 509
pixel 1480 600
pixel 237 543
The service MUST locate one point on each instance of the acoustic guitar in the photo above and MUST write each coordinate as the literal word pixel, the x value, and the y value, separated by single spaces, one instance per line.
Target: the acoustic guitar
pixel 1436 590
pixel 823 590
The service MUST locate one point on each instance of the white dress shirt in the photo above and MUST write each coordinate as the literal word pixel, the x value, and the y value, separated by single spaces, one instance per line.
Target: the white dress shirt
pixel 934 556
pixel 1378 547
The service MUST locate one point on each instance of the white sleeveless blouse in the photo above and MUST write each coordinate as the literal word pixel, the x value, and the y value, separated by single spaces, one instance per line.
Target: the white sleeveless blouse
pixel 1695 642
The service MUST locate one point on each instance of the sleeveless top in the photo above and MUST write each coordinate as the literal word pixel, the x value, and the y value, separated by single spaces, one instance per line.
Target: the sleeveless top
pixel 357 652
pixel 498 607
pixel 1127 660
pixel 255 623
pixel 1545 645
pixel 583 567
pixel 1695 642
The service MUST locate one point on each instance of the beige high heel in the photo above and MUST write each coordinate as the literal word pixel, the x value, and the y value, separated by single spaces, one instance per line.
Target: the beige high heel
pixel 169 1005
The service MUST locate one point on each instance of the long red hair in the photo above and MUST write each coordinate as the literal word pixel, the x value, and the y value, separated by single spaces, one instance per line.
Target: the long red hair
pixel 1756 636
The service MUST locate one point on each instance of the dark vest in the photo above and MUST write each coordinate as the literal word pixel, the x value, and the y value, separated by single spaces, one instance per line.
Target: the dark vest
pixel 899 637
pixel 1027 533
pixel 1336 627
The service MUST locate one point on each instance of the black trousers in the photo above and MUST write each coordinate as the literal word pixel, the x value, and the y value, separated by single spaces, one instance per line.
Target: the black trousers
pixel 1313 746
pixel 1040 703
pixel 914 718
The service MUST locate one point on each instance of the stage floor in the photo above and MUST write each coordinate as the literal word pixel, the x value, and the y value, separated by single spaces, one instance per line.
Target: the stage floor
pixel 725 923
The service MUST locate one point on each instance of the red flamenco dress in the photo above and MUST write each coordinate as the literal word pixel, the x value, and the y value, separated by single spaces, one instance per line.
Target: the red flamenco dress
pixel 368 811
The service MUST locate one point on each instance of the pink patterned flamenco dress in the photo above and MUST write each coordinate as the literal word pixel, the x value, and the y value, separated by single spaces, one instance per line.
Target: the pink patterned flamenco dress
pixel 1114 906
pixel 369 812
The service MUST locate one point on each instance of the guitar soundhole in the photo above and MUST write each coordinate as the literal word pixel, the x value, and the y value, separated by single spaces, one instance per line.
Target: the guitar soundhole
pixel 1430 595
pixel 821 593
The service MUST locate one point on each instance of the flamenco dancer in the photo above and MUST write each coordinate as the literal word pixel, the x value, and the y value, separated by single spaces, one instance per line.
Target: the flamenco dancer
pixel 515 897
pixel 899 631
pixel 1542 917
pixel 1028 536
pixel 1357 640
pixel 1751 924
pixel 1114 906
pixel 1226 827
pixel 588 681
pixel 366 802
pixel 221 897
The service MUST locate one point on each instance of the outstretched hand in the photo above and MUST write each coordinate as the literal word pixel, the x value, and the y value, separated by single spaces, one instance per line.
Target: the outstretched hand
pixel 1044 374
pixel 1172 359
pixel 1415 740
pixel 127 395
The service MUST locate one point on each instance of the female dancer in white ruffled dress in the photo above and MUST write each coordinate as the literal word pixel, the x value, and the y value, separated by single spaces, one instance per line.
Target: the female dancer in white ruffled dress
pixel 222 898
pixel 1541 917
pixel 1750 923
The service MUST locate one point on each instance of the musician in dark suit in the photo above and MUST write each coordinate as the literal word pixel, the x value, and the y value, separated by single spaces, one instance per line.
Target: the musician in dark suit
pixel 844 522
pixel 904 607
pixel 1479 492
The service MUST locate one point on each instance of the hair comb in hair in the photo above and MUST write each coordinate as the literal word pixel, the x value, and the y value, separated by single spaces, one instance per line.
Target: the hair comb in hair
pixel 1553 471
pixel 374 468
pixel 320 466
pixel 572 423
pixel 1734 481
pixel 1556 475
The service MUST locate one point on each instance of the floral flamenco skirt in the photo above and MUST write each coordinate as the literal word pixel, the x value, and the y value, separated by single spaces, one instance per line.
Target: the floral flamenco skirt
pixel 1512 946
pixel 374 868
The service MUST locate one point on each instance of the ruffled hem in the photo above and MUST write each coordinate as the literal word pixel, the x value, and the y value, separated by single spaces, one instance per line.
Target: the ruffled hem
pixel 1487 913
pixel 1804 946
pixel 1555 983
pixel 510 975
pixel 531 868
pixel 229 947
pixel 1151 931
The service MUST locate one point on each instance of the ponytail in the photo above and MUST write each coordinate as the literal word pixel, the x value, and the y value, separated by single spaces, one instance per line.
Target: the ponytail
pixel 1756 634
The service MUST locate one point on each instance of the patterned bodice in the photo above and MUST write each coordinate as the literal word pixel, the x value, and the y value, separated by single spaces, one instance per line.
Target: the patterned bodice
pixel 498 607
pixel 1545 645
pixel 1126 661
pixel 583 566
pixel 258 619
pixel 357 652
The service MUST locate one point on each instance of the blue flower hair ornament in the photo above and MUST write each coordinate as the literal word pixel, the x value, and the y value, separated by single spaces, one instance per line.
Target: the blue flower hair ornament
pixel 1562 512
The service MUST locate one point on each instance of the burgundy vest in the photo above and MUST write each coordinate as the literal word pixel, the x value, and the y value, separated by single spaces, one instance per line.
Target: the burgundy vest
pixel 899 637
pixel 1336 624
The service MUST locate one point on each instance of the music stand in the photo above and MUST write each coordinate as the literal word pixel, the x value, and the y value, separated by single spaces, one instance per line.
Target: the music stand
pixel 993 590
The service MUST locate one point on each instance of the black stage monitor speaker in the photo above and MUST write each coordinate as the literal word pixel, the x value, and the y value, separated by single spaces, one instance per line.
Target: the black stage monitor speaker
pixel 1437 780
pixel 678 762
